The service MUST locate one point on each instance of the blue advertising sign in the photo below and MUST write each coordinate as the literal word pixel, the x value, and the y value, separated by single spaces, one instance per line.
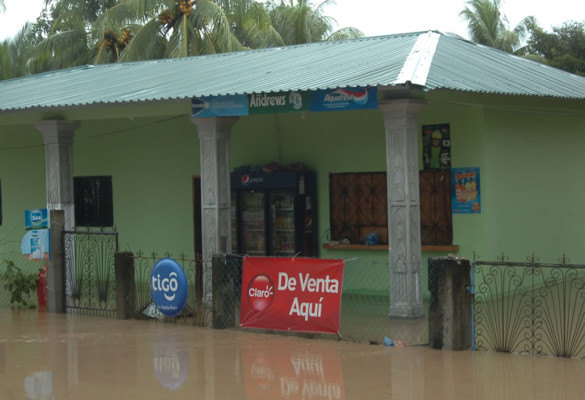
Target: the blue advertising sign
pixel 465 191
pixel 220 106
pixel 36 245
pixel 344 99
pixel 168 287
pixel 36 219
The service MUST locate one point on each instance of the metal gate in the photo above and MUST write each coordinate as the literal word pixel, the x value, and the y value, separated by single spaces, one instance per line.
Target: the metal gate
pixel 89 258
pixel 533 308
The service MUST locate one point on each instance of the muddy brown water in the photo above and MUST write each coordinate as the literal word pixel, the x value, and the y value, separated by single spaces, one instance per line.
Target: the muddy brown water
pixel 57 357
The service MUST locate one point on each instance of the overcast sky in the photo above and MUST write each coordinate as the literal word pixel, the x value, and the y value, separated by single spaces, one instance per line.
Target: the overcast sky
pixel 377 17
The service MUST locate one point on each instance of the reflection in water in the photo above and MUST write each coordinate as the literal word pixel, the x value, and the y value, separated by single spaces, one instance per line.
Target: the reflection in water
pixel 291 369
pixel 60 357
pixel 170 361
pixel 39 386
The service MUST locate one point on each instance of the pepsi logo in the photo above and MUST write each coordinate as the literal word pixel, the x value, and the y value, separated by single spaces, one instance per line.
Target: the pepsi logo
pixel 247 179
pixel 260 292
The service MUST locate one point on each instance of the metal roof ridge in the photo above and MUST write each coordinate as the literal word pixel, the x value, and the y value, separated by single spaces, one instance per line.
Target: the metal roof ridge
pixel 418 63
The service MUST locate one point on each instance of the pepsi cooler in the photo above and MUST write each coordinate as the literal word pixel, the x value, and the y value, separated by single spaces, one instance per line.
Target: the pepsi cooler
pixel 274 213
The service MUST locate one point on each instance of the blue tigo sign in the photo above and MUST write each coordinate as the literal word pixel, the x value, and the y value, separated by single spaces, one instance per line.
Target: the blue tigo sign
pixel 36 219
pixel 168 287
pixel 344 99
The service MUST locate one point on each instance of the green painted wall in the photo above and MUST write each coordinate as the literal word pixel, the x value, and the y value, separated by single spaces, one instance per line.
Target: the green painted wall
pixel 152 162
pixel 528 151
pixel 22 179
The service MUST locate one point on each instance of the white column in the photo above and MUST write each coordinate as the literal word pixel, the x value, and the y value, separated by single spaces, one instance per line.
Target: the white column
pixel 214 141
pixel 402 157
pixel 58 138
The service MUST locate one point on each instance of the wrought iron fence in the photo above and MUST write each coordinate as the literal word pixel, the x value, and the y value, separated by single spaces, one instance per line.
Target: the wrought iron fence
pixel 530 307
pixel 215 295
pixel 90 272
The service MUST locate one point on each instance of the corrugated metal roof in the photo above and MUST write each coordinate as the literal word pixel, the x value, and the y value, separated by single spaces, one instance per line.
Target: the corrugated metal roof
pixel 428 60
pixel 466 66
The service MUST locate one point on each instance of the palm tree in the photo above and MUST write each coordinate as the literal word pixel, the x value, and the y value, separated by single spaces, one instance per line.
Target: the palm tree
pixel 70 41
pixel 250 23
pixel 302 23
pixel 180 28
pixel 488 26
pixel 14 54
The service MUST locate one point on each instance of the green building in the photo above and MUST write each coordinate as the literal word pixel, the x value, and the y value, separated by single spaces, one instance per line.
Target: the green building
pixel 479 147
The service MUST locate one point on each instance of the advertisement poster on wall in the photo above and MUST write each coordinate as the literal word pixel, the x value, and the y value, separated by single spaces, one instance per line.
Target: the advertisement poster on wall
pixel 36 242
pixel 436 144
pixel 291 294
pixel 344 99
pixel 465 190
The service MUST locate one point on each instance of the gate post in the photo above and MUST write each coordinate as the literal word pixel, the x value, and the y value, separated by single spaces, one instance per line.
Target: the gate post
pixel 125 286
pixel 450 304
pixel 56 264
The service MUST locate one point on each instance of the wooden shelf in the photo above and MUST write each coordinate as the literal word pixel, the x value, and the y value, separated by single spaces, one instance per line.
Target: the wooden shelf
pixel 435 248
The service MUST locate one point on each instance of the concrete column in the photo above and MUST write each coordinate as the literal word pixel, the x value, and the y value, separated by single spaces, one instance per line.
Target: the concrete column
pixel 214 139
pixel 125 285
pixel 402 158
pixel 58 138
pixel 450 316
pixel 56 265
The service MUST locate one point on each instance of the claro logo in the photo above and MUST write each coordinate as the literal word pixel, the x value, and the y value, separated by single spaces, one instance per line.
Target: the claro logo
pixel 168 286
pixel 260 292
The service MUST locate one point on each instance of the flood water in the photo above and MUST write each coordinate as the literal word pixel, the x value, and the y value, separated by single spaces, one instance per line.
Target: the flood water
pixel 57 357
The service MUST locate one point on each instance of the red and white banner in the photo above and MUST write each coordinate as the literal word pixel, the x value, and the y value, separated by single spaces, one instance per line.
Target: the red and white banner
pixel 296 294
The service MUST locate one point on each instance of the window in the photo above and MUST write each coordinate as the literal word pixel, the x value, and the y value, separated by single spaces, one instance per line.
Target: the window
pixel 359 206
pixel 93 201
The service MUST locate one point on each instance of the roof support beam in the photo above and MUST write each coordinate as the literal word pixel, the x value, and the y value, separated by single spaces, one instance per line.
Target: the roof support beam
pixel 401 123
pixel 214 139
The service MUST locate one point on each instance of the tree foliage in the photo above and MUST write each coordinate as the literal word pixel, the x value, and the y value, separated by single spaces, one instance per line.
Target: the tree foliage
pixel 300 22
pixel 488 26
pixel 564 48
pixel 16 52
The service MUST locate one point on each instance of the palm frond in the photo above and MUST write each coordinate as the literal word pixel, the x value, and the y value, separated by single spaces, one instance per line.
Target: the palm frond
pixel 66 48
pixel 146 43
pixel 346 33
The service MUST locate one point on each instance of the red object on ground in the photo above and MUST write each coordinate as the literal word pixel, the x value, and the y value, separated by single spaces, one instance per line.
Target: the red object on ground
pixel 42 287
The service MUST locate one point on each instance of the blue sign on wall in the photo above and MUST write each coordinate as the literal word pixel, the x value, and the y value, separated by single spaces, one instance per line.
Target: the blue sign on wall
pixel 168 287
pixel 344 99
pixel 36 244
pixel 465 191
pixel 36 219
pixel 220 106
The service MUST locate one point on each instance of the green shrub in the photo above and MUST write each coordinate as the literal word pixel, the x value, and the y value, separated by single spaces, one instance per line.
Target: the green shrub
pixel 19 284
